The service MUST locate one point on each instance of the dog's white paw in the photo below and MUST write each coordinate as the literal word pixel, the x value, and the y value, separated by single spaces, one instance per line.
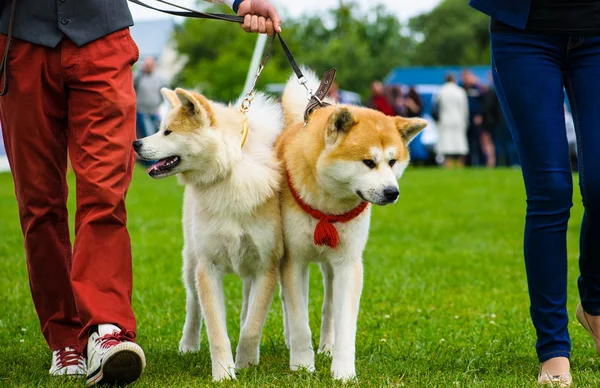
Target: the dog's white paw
pixel 302 360
pixel 343 371
pixel 247 354
pixel 221 373
pixel 326 348
pixel 188 347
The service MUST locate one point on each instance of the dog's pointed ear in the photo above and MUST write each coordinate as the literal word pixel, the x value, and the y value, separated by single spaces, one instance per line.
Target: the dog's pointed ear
pixel 409 128
pixel 195 105
pixel 340 122
pixel 170 96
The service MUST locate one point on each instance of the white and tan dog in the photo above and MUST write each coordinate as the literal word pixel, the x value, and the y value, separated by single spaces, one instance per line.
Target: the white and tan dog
pixel 231 215
pixel 343 160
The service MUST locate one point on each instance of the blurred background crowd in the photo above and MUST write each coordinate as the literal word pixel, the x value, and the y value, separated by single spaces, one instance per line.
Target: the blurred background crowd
pixel 434 65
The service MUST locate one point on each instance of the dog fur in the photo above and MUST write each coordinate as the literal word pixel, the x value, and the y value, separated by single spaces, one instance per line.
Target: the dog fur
pixel 231 215
pixel 326 161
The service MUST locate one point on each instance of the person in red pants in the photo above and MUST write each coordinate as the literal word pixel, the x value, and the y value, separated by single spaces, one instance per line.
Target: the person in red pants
pixel 70 88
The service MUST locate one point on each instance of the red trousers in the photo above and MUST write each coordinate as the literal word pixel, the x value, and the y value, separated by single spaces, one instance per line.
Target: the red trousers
pixel 79 99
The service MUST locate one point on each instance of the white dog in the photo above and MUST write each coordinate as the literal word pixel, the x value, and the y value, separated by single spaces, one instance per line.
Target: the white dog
pixel 231 215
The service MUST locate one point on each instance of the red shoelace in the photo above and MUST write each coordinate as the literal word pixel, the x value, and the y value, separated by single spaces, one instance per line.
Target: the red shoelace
pixel 68 357
pixel 108 340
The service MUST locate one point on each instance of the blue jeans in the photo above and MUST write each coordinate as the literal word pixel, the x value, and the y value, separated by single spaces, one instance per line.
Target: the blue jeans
pixel 530 72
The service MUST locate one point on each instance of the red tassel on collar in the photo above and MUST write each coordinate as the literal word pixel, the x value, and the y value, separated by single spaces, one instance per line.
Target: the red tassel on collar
pixel 325 231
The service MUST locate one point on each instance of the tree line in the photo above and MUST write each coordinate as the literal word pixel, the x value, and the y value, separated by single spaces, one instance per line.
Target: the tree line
pixel 363 46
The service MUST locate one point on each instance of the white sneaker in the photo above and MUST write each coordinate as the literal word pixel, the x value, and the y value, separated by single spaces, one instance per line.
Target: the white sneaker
pixel 113 358
pixel 67 362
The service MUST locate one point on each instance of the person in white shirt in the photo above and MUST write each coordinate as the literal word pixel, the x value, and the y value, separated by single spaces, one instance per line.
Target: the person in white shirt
pixel 453 122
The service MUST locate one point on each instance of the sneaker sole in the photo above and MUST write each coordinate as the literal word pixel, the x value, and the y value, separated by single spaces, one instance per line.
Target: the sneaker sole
pixel 122 366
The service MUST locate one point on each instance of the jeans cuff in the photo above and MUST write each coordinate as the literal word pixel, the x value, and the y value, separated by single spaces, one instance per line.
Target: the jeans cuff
pixel 558 353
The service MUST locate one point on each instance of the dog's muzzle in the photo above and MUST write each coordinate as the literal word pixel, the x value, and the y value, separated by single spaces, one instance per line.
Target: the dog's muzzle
pixel 137 145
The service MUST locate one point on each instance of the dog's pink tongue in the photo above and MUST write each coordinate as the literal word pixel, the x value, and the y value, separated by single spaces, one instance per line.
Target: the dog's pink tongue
pixel 156 165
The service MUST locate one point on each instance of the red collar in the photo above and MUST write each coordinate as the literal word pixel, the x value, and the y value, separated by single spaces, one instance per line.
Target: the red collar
pixel 325 232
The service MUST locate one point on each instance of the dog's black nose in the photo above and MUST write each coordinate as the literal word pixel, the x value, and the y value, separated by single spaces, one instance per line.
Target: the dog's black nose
pixel 137 145
pixel 390 193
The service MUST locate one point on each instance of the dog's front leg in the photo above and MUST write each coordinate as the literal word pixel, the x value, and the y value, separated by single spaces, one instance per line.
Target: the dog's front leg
pixel 294 280
pixel 327 329
pixel 190 340
pixel 261 296
pixel 347 288
pixel 212 299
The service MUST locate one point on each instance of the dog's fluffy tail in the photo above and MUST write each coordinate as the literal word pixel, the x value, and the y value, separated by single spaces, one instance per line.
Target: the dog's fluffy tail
pixel 294 98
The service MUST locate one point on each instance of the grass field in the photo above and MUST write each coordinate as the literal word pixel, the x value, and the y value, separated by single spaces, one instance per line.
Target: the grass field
pixel 444 301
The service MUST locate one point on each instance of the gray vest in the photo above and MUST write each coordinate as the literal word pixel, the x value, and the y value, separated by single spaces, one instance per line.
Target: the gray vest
pixel 46 22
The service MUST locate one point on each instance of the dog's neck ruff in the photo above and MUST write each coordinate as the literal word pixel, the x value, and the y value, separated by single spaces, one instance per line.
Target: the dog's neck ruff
pixel 325 232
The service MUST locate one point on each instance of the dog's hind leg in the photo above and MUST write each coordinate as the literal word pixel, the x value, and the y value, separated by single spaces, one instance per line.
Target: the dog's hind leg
pixel 347 287
pixel 190 340
pixel 261 296
pixel 246 298
pixel 327 330
pixel 294 279
pixel 212 299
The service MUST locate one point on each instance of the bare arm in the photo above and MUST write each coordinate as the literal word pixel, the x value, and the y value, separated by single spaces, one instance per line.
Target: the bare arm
pixel 259 15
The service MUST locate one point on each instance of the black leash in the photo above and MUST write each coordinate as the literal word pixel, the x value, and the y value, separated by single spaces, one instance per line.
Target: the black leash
pixel 315 99
pixel 191 13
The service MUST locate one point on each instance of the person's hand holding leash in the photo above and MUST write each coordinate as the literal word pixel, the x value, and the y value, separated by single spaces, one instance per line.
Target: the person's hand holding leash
pixel 259 16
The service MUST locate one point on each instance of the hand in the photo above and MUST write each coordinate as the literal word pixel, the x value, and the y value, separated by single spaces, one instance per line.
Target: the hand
pixel 477 120
pixel 259 16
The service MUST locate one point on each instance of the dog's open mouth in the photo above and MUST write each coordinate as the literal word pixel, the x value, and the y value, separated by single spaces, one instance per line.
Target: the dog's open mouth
pixel 163 166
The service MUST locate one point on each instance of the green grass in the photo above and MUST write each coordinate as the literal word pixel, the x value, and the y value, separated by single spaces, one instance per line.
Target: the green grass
pixel 444 301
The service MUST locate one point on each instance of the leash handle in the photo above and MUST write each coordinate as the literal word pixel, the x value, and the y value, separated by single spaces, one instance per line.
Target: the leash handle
pixel 4 63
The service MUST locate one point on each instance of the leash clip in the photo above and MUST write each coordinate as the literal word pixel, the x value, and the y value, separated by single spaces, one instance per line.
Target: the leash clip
pixel 246 102
pixel 309 92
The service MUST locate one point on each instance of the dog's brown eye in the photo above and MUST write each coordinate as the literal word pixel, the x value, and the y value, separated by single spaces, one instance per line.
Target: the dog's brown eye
pixel 369 163
pixel 392 162
pixel 168 132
